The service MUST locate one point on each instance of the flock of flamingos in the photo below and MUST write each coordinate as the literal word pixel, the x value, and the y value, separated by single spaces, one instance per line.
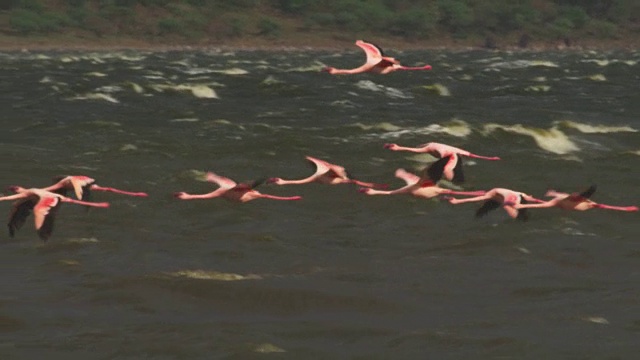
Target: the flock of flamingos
pixel 45 202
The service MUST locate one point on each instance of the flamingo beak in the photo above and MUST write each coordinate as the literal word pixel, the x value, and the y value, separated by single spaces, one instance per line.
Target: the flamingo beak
pixel 13 188
pixel 271 180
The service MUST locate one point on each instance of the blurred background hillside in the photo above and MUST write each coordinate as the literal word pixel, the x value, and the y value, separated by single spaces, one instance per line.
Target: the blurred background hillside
pixel 489 23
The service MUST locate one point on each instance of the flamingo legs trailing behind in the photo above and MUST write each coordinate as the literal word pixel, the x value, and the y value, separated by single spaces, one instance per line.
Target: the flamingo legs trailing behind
pixel 498 197
pixel 230 190
pixel 453 168
pixel 376 62
pixel 44 205
pixel 575 201
pixel 326 173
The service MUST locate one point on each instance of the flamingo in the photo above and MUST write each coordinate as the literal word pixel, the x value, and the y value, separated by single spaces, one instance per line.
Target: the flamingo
pixel 44 204
pixel 230 190
pixel 82 185
pixel 453 168
pixel 575 201
pixel 326 173
pixel 376 62
pixel 424 186
pixel 496 197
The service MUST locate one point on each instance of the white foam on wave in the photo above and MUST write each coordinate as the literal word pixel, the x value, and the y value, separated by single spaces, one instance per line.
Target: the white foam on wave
pixel 593 129
pixel 454 127
pixel 213 275
pixel 522 64
pixel 95 96
pixel 388 91
pixel 201 91
pixel 552 140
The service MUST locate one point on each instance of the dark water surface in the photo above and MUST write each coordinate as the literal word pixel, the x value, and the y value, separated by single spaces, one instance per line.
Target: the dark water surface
pixel 338 274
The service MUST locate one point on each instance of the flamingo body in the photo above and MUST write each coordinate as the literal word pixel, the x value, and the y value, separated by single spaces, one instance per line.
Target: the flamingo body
pixel 376 62
pixel 500 197
pixel 325 173
pixel 232 191
pixel 424 186
pixel 44 205
pixel 83 185
pixel 575 201
pixel 453 168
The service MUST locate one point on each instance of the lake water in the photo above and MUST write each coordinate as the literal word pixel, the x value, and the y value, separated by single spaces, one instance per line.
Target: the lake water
pixel 337 275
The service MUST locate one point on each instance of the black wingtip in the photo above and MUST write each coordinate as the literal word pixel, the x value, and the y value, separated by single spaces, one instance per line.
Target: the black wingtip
pixel 589 192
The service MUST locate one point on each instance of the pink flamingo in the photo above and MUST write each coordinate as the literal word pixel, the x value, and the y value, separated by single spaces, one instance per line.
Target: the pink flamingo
pixel 326 173
pixel 575 201
pixel 82 185
pixel 44 205
pixel 496 197
pixel 376 62
pixel 424 186
pixel 453 168
pixel 230 190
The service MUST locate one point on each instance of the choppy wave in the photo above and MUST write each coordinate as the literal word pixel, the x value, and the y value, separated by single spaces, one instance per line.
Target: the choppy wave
pixel 213 275
pixel 388 91
pixel 552 140
pixel 593 129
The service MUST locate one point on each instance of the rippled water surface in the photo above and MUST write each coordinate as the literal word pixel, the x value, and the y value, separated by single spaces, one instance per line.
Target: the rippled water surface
pixel 338 274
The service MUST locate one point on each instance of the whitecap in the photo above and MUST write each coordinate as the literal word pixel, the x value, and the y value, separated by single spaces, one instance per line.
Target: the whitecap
pixel 597 77
pixel 214 275
pixel 96 96
pixel 593 129
pixel 552 140
pixel 437 88
pixel 232 71
pixel 389 91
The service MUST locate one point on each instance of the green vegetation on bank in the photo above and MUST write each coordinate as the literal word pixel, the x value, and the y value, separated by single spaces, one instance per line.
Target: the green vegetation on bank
pixel 191 20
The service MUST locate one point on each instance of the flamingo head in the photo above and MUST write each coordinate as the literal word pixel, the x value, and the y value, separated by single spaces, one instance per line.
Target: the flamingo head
pixel 15 189
pixel 390 146
pixel 364 190
pixel 328 69
pixel 179 195
pixel 274 180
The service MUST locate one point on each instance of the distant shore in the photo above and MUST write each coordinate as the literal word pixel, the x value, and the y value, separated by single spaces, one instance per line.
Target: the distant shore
pixel 308 43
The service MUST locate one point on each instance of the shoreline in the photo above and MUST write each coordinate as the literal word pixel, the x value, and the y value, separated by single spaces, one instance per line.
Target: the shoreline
pixel 79 43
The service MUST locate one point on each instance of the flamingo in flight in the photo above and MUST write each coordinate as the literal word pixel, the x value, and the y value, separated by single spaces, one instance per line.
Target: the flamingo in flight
pixel 496 197
pixel 230 190
pixel 575 201
pixel 453 168
pixel 424 186
pixel 326 173
pixel 44 205
pixel 376 62
pixel 82 185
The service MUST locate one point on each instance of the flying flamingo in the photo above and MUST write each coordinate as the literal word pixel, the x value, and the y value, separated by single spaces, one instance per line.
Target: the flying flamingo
pixel 376 62
pixel 496 197
pixel 453 168
pixel 575 201
pixel 230 190
pixel 326 173
pixel 82 185
pixel 424 186
pixel 44 205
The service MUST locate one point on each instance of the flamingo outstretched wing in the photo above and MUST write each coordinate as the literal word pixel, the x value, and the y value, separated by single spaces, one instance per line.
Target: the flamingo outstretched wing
pixel 408 177
pixel 222 181
pixel 44 213
pixel 20 212
pixel 373 52
pixel 589 192
pixel 488 206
